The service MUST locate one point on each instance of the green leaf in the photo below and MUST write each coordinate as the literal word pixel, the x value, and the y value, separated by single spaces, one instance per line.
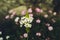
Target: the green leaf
pixel 27 15
pixel 21 1
pixel 19 9
pixel 27 29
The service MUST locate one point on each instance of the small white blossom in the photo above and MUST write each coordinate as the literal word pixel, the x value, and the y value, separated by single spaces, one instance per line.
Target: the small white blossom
pixel 47 24
pixel 50 11
pixel 7 17
pixel 38 34
pixel 50 28
pixel 30 10
pixel 7 37
pixel 1 38
pixel 38 21
pixel 23 12
pixel 17 18
pixel 22 18
pixel 21 36
pixel 45 15
pixel 25 35
pixel 21 22
pixel 31 15
pixel 30 19
pixel 38 10
pixel 54 13
pixel 53 20
pixel 28 25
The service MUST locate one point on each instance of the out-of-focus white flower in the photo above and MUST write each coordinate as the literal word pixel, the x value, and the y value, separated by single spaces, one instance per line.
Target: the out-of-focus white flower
pixel 0 32
pixel 47 24
pixel 54 13
pixel 27 25
pixel 7 17
pixel 30 10
pixel 23 12
pixel 50 11
pixel 7 37
pixel 41 10
pixel 25 35
pixel 38 21
pixel 50 28
pixel 21 36
pixel 31 15
pixel 45 15
pixel 38 10
pixel 38 34
pixel 16 19
pixel 1 38
pixel 30 19
pixel 22 22
pixel 53 20
pixel 26 21
pixel 22 18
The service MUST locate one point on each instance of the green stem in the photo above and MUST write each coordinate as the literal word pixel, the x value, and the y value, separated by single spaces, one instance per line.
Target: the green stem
pixel 27 37
pixel 27 30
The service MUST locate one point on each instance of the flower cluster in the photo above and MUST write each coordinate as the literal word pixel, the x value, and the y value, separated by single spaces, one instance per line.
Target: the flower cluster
pixel 26 21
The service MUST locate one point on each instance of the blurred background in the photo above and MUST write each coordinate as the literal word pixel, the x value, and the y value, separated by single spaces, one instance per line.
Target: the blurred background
pixel 46 23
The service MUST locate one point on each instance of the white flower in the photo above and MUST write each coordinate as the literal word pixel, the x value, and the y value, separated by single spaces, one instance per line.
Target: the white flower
pixel 22 18
pixel 7 17
pixel 38 34
pixel 53 20
pixel 31 15
pixel 7 37
pixel 30 19
pixel 1 38
pixel 30 10
pixel 54 13
pixel 38 10
pixel 45 15
pixel 47 24
pixel 21 36
pixel 0 32
pixel 21 22
pixel 23 12
pixel 50 28
pixel 41 10
pixel 38 21
pixel 27 25
pixel 17 18
pixel 50 11
pixel 25 20
pixel 25 35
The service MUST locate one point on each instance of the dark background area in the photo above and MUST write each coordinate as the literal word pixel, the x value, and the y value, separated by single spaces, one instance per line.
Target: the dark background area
pixel 8 26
